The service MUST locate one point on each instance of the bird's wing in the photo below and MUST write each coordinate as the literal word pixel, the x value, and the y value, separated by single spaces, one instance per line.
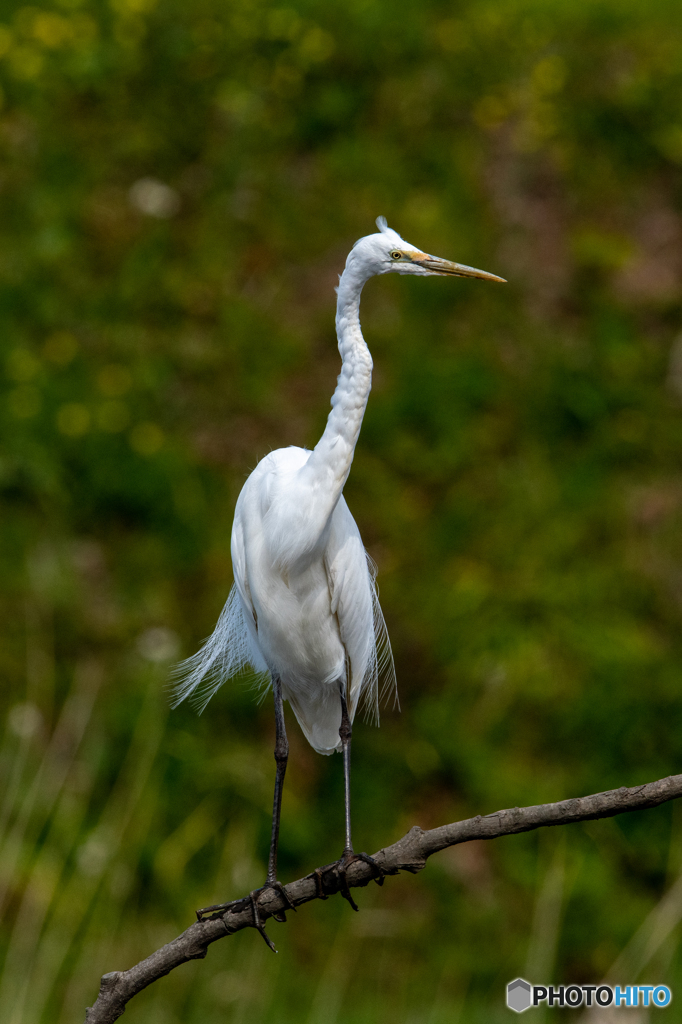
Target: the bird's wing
pixel 232 647
pixel 355 602
pixel 238 551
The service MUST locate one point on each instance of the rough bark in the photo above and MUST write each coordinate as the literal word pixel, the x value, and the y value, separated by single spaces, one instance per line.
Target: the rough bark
pixel 409 854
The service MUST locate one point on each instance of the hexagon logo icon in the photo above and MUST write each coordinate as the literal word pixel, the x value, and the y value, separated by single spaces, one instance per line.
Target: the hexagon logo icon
pixel 518 995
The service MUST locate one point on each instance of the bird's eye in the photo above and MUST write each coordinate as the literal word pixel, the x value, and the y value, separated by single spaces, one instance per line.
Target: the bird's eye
pixel 396 255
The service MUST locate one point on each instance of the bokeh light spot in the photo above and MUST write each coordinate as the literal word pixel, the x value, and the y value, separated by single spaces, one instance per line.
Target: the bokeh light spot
pixel 73 419
pixel 154 198
pixel 158 644
pixel 146 438
pixel 22 364
pixel 5 40
pixel 24 719
pixel 114 380
pixel 26 62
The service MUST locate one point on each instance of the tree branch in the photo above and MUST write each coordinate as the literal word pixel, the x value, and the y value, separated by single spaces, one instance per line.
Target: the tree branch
pixel 409 854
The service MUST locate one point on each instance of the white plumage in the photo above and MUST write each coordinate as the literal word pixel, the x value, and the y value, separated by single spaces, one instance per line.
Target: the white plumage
pixel 301 611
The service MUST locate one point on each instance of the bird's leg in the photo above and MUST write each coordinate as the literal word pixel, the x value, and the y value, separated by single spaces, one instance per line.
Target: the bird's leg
pixel 348 857
pixel 281 758
pixel 346 734
pixel 271 882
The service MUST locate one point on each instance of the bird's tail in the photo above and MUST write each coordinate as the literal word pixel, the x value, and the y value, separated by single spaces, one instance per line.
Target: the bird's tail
pixel 318 712
pixel 227 652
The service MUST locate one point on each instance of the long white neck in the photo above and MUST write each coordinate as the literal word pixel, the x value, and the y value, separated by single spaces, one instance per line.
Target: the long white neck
pixel 333 454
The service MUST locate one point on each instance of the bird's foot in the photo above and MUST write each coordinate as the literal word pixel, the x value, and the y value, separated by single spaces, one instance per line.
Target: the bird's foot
pixel 252 900
pixel 279 916
pixel 342 865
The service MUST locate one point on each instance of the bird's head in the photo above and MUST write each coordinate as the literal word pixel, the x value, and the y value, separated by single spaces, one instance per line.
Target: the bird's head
pixel 387 253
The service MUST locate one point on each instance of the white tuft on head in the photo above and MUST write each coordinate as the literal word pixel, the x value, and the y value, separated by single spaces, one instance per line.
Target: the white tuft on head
pixel 372 254
pixel 391 236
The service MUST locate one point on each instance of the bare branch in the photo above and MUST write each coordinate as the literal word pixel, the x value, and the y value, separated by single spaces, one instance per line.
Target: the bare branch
pixel 409 854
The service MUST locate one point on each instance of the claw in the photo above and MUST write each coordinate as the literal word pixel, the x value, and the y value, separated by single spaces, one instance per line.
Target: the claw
pixel 257 923
pixel 317 875
pixel 281 914
pixel 345 891
pixel 348 858
pixel 217 908
pixel 378 872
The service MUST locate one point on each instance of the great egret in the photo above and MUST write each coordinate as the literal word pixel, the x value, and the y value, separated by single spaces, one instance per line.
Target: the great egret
pixel 303 611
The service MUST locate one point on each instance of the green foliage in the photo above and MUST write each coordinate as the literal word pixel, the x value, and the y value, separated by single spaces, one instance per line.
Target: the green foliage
pixel 179 185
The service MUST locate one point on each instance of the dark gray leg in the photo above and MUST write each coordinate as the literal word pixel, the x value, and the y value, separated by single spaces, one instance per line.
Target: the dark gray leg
pixel 281 758
pixel 348 856
pixel 271 882
pixel 346 734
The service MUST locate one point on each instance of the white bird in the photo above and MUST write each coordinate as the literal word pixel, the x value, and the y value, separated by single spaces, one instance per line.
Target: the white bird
pixel 303 611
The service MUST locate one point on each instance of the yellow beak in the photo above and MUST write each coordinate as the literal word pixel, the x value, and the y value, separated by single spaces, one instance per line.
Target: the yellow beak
pixel 438 266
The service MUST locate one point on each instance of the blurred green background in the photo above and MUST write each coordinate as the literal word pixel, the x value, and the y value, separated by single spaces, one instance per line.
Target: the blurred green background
pixel 179 186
